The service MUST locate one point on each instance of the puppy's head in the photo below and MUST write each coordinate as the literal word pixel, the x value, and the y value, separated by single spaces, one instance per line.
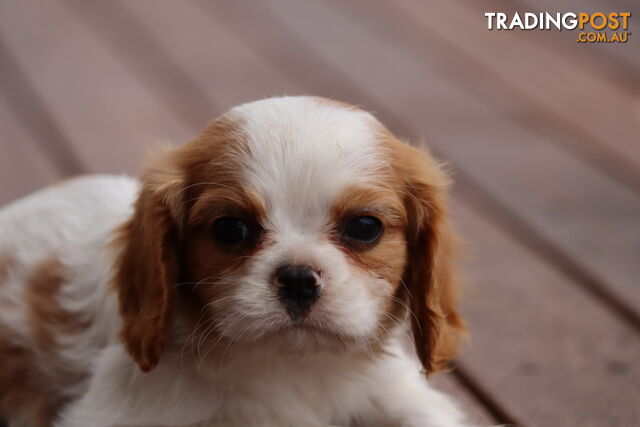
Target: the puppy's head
pixel 297 221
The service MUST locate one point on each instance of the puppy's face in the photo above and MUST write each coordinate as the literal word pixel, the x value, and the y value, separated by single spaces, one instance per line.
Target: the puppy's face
pixel 300 235
pixel 295 221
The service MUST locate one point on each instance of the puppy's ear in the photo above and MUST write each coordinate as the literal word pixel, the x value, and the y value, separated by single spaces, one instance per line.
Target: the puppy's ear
pixel 429 276
pixel 147 267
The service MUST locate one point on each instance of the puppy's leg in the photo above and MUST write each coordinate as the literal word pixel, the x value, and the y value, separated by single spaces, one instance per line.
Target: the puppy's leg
pixel 403 397
pixel 120 395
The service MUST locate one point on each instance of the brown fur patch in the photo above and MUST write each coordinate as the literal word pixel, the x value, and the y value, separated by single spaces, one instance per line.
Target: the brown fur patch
pixel 383 202
pixel 453 328
pixel 183 191
pixel 27 395
pixel 430 279
pixel 386 257
pixel 46 318
pixel 24 395
pixel 200 245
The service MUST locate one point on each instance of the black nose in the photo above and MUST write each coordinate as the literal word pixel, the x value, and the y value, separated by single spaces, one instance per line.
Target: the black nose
pixel 299 288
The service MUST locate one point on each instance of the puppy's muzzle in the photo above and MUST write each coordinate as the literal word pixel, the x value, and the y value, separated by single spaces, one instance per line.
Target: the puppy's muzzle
pixel 299 289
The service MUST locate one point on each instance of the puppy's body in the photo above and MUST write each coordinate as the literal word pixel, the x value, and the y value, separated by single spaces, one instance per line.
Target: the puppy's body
pixel 57 311
pixel 102 276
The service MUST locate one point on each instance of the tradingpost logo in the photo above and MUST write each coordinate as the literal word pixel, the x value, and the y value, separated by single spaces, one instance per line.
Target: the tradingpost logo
pixel 595 27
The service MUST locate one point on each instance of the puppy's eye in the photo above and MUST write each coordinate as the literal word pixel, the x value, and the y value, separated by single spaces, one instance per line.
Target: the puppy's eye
pixel 230 230
pixel 365 229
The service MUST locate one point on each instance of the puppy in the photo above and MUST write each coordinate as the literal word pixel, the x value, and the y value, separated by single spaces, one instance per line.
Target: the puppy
pixel 267 273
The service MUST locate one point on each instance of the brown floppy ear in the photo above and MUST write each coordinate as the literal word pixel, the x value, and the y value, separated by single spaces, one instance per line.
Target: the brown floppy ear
pixel 147 270
pixel 429 276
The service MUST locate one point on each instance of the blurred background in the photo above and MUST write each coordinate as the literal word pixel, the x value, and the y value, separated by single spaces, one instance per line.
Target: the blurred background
pixel 542 135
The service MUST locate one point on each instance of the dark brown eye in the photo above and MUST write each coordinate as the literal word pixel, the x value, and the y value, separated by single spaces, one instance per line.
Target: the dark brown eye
pixel 229 231
pixel 364 229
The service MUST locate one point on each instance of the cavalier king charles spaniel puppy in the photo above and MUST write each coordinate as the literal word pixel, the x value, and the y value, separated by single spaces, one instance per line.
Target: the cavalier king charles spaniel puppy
pixel 268 273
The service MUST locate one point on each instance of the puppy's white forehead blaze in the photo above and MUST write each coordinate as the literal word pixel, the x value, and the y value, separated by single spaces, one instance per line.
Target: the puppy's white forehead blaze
pixel 302 152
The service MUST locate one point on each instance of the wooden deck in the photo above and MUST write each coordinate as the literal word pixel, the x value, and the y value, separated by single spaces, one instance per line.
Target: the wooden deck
pixel 542 134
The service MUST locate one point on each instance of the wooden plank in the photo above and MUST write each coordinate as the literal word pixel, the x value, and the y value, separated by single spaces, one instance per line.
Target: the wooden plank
pixel 34 116
pixel 622 55
pixel 542 88
pixel 226 71
pixel 307 70
pixel 558 196
pixel 23 166
pixel 131 43
pixel 108 116
pixel 616 63
pixel 546 350
pixel 557 87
